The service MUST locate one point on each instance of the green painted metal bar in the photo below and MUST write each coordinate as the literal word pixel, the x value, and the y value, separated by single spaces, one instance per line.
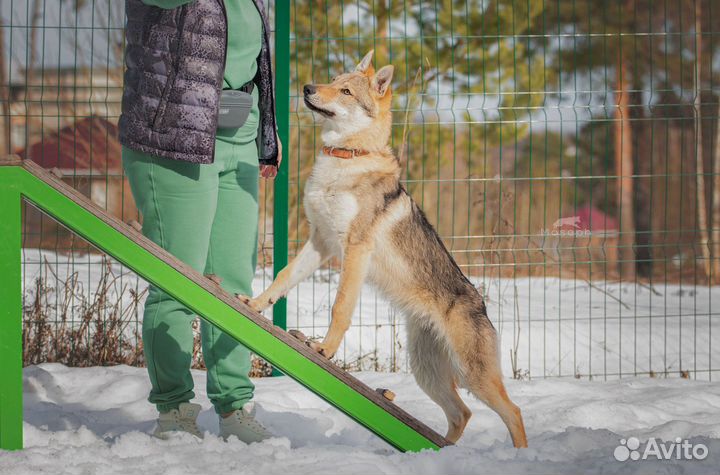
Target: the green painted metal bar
pixel 282 108
pixel 398 429
pixel 11 436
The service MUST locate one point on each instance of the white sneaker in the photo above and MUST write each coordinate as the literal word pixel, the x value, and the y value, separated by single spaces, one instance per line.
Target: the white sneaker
pixel 182 419
pixel 242 424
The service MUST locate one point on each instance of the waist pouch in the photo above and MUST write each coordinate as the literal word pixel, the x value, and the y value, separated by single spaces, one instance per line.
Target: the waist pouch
pixel 234 107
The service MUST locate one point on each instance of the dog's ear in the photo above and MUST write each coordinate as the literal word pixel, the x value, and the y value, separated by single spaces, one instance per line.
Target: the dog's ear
pixel 365 63
pixel 381 80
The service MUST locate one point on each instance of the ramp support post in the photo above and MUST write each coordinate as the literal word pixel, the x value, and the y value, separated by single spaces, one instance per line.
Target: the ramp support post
pixel 11 435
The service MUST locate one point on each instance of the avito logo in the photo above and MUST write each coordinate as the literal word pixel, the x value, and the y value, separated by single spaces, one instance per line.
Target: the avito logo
pixel 679 450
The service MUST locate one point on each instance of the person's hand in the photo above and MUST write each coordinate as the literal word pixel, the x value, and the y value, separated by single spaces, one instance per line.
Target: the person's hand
pixel 270 171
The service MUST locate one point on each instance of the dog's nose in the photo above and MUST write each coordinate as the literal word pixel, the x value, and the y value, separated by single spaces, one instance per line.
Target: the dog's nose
pixel 308 89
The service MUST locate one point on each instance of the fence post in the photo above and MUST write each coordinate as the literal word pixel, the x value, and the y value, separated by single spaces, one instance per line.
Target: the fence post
pixel 11 436
pixel 282 109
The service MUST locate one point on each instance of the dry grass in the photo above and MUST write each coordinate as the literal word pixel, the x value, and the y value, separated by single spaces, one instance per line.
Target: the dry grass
pixel 66 323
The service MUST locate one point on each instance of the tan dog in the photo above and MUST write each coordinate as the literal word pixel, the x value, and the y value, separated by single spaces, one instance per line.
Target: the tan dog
pixel 359 211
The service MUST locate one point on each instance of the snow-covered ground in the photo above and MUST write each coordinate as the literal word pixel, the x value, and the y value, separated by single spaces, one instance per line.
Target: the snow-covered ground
pixel 96 421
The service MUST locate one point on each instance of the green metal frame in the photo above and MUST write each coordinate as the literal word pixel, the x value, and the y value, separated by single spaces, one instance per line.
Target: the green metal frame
pixel 17 182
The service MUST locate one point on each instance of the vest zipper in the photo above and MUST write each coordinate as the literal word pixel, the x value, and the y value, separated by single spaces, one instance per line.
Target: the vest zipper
pixel 227 25
pixel 170 83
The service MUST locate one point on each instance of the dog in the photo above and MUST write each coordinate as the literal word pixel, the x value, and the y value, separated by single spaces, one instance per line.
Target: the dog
pixel 359 211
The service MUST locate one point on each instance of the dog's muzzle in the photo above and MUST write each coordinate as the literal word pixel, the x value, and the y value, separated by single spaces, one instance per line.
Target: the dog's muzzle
pixel 310 90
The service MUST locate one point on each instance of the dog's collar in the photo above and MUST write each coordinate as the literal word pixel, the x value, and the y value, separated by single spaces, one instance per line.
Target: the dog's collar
pixel 344 153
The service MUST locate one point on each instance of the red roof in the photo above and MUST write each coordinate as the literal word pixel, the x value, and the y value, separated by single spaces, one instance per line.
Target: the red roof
pixel 89 146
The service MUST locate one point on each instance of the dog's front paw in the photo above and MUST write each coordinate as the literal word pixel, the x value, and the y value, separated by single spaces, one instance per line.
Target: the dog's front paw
pixel 250 302
pixel 322 349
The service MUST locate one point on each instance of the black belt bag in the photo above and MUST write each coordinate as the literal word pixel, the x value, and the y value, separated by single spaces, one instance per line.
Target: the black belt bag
pixel 234 106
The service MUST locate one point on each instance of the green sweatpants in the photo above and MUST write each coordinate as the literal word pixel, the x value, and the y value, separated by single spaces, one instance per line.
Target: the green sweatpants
pixel 207 216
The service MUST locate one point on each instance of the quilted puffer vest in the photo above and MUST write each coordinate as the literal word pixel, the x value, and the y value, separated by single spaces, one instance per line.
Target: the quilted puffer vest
pixel 175 61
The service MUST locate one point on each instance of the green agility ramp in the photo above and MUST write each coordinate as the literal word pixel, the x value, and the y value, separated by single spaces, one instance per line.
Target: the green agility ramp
pixel 25 180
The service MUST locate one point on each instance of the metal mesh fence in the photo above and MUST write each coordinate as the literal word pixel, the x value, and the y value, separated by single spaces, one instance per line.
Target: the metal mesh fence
pixel 61 66
pixel 61 73
pixel 567 152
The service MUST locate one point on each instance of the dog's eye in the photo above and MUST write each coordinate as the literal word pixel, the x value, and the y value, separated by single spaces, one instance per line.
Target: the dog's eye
pixel 346 91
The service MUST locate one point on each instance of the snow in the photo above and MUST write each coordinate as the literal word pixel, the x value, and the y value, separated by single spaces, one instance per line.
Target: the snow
pixel 96 421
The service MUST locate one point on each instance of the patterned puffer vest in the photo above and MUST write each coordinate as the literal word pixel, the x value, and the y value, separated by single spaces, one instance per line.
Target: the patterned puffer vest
pixel 175 61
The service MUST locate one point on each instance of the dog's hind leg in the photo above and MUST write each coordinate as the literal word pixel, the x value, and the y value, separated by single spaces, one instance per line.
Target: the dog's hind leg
pixel 483 377
pixel 435 374
pixel 491 390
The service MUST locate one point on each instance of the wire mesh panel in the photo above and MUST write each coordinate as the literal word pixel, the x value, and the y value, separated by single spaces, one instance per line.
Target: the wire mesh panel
pixel 566 151
pixel 61 74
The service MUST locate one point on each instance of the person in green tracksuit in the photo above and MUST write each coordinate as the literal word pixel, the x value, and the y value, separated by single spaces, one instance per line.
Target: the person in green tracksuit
pixel 207 216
